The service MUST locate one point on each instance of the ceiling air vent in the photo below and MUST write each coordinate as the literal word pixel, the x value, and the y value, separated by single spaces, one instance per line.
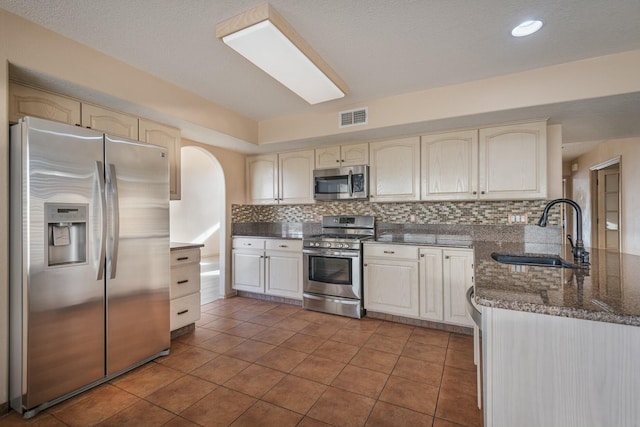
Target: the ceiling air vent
pixel 353 117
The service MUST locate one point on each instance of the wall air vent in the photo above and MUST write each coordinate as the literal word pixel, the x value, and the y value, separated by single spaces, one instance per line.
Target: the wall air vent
pixel 355 117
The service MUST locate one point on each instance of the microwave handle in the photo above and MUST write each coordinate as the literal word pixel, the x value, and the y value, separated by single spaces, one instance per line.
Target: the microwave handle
pixel 350 183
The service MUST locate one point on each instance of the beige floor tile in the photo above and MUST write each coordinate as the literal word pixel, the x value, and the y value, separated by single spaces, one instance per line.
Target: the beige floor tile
pixel 282 359
pixel 147 379
pixel 304 343
pixel 141 413
pixel 267 415
pixel 255 381
pixel 418 370
pixel 342 408
pixel 221 369
pixel 384 343
pixel 430 353
pixel 294 393
pixel 318 369
pixel 375 360
pixel 218 408
pixel 361 381
pixel 388 415
pixel 250 350
pixel 409 394
pixel 459 408
pixel 181 393
pixel 106 401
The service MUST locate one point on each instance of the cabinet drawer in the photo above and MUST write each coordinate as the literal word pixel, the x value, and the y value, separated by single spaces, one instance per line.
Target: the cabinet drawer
pixel 248 243
pixel 185 280
pixel 185 256
pixel 284 245
pixel 391 251
pixel 185 310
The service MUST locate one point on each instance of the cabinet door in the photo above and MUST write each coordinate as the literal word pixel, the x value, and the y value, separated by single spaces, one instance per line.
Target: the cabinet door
pixel 26 101
pixel 168 137
pixel 328 157
pixel 354 155
pixel 457 277
pixel 262 179
pixel 395 170
pixel 248 271
pixel 431 292
pixel 513 162
pixel 296 176
pixel 391 286
pixel 284 274
pixel 109 121
pixel 450 166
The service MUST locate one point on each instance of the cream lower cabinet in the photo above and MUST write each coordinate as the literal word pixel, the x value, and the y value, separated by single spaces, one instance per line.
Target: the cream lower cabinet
pixel 394 170
pixel 280 178
pixel 268 266
pixel 185 287
pixel 422 282
pixel 391 279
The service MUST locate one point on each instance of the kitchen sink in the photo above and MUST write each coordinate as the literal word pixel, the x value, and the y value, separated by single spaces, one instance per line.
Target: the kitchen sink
pixel 534 260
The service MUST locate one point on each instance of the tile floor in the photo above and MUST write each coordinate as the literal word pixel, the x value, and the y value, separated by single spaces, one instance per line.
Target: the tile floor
pixel 257 363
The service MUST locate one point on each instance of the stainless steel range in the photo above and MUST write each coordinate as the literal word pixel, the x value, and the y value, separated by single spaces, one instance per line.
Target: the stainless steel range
pixel 333 265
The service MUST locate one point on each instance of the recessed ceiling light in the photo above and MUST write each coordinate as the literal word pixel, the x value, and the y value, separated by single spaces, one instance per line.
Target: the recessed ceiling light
pixel 526 28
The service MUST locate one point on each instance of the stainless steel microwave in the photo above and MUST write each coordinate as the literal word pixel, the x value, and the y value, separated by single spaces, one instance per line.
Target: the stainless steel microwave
pixel 345 183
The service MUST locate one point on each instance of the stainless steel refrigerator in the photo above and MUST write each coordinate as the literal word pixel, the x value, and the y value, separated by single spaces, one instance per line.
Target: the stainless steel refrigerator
pixel 89 260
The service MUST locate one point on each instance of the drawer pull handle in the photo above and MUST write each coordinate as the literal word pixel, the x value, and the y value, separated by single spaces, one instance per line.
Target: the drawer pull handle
pixel 183 312
pixel 389 252
pixel 180 282
pixel 183 258
pixel 284 246
pixel 248 244
pixel 447 257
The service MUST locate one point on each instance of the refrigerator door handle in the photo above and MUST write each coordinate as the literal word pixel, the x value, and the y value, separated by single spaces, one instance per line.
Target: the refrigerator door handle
pixel 116 221
pixel 103 227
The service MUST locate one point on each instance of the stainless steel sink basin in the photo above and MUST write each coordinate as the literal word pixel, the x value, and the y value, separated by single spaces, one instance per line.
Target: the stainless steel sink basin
pixel 534 260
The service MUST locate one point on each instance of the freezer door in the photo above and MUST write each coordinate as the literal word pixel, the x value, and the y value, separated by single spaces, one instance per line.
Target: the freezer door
pixel 57 300
pixel 138 260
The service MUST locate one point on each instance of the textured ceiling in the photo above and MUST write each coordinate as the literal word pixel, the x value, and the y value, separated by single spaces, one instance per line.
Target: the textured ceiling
pixel 379 47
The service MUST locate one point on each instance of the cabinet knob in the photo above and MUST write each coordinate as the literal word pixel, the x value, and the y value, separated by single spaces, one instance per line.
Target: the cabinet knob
pixel 366 265
pixel 475 192
pixel 447 257
pixel 248 244
pixel 337 161
pixel 421 255
pixel 482 192
pixel 389 252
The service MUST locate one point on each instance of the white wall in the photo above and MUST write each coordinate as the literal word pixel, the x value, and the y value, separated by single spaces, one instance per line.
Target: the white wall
pixel 629 151
pixel 196 218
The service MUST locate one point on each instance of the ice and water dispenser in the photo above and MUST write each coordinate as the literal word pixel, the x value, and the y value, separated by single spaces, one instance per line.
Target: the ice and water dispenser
pixel 67 230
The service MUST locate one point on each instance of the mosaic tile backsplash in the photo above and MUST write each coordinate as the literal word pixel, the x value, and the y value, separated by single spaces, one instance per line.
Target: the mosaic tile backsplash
pixel 468 213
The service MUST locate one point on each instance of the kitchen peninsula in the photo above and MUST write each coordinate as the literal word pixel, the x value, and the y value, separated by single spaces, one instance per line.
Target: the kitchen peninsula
pixel 560 345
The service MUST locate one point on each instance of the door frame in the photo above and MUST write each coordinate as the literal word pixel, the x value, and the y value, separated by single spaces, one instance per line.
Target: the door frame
pixel 593 178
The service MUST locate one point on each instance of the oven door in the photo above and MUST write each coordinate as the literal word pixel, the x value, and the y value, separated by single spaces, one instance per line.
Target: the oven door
pixel 332 272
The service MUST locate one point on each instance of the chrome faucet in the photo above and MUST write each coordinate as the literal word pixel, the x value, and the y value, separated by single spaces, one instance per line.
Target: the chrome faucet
pixel 580 255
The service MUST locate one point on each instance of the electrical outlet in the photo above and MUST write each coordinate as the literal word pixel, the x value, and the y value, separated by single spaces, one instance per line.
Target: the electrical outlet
pixel 517 218
pixel 517 268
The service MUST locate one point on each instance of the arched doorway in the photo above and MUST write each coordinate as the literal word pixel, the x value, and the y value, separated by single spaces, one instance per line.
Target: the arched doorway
pixel 199 216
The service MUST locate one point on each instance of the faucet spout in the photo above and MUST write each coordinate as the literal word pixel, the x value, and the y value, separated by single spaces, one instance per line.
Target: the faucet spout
pixel 580 255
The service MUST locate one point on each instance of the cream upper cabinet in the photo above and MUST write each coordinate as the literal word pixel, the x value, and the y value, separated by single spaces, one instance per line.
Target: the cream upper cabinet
pixel 345 155
pixel 280 178
pixel 450 166
pixel 394 172
pixel 262 179
pixel 109 121
pixel 26 101
pixel 296 176
pixel 168 137
pixel 513 162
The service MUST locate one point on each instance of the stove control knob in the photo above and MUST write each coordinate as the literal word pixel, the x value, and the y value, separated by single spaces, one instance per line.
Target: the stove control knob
pixel 327 245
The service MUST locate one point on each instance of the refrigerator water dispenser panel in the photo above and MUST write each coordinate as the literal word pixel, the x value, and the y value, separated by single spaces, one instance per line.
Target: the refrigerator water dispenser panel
pixel 67 233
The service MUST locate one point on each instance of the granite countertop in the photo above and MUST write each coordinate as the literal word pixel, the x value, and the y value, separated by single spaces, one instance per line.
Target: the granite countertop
pixel 284 235
pixel 175 246
pixel 608 291
pixel 427 239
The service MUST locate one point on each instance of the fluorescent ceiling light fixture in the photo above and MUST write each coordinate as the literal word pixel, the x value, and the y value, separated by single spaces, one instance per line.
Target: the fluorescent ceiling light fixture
pixel 526 28
pixel 266 39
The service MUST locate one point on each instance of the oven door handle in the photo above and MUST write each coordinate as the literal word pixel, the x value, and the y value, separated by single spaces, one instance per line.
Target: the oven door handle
pixel 331 252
